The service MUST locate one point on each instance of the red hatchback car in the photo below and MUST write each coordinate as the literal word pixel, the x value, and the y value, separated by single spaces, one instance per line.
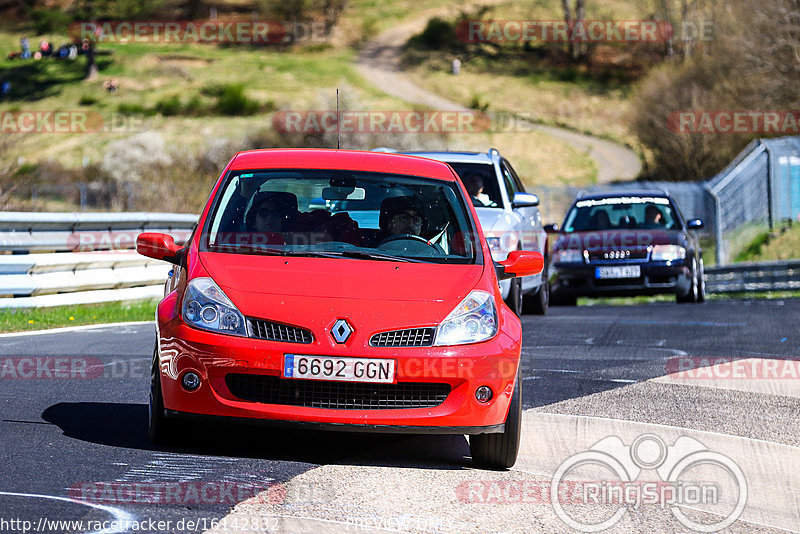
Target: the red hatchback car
pixel 339 290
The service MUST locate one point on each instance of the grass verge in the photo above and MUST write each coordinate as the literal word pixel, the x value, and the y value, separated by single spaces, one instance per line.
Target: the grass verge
pixel 59 316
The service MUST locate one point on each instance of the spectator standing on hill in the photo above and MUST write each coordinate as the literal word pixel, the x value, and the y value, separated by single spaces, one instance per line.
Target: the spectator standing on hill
pixel 26 48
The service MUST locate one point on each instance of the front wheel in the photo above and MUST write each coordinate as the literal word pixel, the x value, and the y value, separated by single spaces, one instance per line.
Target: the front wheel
pixel 499 451
pixel 701 280
pixel 514 299
pixel 161 430
pixel 692 295
pixel 539 301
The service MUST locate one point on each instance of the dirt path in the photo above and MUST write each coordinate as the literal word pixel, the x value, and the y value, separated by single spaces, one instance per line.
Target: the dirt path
pixel 379 62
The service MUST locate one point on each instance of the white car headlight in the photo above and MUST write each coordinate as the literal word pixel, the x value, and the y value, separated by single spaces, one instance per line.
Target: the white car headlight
pixel 206 306
pixel 668 253
pixel 568 256
pixel 473 320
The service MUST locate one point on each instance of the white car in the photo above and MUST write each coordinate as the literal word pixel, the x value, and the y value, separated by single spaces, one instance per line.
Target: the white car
pixel 509 217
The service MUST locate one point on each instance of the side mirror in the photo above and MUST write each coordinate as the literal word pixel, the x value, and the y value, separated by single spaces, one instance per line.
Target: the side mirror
pixel 524 200
pixel 160 247
pixel 520 263
pixel 695 224
pixel 551 228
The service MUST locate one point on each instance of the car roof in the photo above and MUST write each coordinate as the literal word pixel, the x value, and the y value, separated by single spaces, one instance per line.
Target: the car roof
pixel 627 193
pixel 456 157
pixel 353 160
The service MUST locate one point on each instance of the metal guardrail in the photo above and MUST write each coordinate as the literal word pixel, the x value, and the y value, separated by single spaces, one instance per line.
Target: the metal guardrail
pixel 107 269
pixel 761 276
pixel 71 232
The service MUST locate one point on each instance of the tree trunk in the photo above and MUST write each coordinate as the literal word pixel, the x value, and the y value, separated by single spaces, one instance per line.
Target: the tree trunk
pixel 91 64
pixel 568 20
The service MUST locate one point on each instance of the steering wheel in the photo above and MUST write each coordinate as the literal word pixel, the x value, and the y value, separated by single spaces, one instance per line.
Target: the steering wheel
pixel 412 237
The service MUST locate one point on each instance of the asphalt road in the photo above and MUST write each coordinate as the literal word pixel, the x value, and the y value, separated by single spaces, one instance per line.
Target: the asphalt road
pixel 74 444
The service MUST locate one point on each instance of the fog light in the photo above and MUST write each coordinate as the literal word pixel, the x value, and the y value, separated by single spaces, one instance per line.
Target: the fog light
pixel 190 381
pixel 483 394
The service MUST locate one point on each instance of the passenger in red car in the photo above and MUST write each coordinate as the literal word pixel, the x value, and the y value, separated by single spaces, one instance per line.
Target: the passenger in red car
pixel 273 212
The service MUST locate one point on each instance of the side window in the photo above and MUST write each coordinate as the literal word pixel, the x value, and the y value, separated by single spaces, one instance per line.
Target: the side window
pixel 515 177
pixel 508 179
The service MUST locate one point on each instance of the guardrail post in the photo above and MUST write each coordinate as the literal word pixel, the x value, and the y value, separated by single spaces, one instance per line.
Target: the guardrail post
pixel 719 245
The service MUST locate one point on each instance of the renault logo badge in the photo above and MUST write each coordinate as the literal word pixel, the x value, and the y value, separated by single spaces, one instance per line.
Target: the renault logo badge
pixel 341 331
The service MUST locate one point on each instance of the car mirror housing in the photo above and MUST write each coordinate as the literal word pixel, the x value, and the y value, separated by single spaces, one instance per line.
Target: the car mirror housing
pixel 160 247
pixel 520 263
pixel 695 224
pixel 551 228
pixel 525 200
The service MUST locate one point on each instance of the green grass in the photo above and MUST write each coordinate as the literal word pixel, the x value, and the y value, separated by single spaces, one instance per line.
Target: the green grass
pixel 44 318
pixel 783 244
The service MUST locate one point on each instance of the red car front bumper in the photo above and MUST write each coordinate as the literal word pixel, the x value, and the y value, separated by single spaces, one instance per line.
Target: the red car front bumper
pixel 215 356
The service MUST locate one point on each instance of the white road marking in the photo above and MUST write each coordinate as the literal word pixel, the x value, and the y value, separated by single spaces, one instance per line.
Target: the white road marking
pixel 121 517
pixel 73 329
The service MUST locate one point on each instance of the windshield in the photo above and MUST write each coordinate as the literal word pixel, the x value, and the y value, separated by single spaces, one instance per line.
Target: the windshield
pixel 480 182
pixel 613 213
pixel 328 213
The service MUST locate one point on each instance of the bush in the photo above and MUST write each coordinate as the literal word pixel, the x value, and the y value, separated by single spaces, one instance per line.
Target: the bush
pixel 438 33
pixel 233 101
pixel 169 106
pixel 195 107
pixel 87 100
pixel 49 21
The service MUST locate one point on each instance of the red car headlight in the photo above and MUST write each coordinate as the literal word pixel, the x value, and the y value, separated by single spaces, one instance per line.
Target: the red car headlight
pixel 206 306
pixel 473 320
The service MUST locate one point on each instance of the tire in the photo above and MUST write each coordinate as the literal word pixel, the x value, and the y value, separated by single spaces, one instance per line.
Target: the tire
pixel 701 278
pixel 538 302
pixel 692 295
pixel 514 299
pixel 499 451
pixel 161 430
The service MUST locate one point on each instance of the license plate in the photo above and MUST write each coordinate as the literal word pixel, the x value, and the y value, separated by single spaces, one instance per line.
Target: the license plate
pixel 618 271
pixel 335 368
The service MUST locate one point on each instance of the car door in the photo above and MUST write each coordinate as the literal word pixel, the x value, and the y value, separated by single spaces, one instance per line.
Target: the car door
pixel 531 231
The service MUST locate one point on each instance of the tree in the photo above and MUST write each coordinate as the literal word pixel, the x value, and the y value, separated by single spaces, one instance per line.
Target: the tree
pixel 577 49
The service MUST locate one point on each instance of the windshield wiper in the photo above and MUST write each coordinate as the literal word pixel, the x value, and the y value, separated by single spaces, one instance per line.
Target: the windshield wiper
pixel 358 254
pixel 248 249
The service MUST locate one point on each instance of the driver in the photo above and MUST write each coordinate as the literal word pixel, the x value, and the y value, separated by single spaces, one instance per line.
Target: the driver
pixel 400 215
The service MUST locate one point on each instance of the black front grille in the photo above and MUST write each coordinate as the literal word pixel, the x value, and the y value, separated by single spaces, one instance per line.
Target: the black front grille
pixel 336 395
pixel 412 337
pixel 279 332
